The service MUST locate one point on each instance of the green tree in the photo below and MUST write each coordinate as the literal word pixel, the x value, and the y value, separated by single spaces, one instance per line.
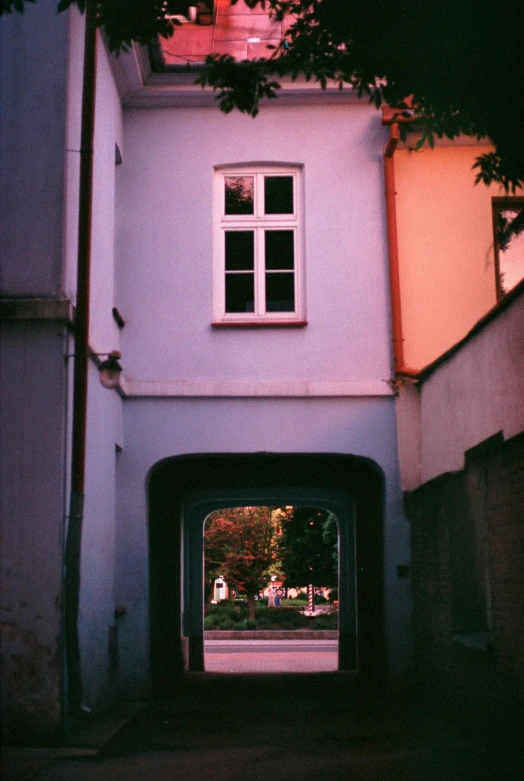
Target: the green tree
pixel 239 544
pixel 309 547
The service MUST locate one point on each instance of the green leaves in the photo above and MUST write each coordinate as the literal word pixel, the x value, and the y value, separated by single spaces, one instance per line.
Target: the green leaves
pixel 507 227
pixel 126 21
pixel 493 168
pixel 123 21
pixel 63 5
pixel 463 67
pixel 8 6
pixel 240 85
pixel 239 544
pixel 309 547
pixel 392 48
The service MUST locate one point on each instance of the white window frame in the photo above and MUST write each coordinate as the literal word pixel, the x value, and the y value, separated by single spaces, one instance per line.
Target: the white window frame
pixel 259 222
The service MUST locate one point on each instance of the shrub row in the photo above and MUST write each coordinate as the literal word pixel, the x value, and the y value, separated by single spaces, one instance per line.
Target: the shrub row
pixel 227 615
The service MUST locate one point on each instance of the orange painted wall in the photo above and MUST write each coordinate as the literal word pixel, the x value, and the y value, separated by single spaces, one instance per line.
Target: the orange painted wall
pixel 447 272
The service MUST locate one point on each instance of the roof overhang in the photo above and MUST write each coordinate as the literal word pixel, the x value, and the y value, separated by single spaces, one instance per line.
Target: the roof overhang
pixel 139 87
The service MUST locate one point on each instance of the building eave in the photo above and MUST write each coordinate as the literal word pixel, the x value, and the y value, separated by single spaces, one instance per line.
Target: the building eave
pixel 139 87
pixel 131 70
pixel 178 89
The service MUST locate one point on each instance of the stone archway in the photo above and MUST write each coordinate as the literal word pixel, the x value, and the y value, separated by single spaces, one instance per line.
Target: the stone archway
pixel 182 492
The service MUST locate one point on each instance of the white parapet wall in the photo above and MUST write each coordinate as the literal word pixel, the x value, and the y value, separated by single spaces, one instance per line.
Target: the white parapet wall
pixel 474 391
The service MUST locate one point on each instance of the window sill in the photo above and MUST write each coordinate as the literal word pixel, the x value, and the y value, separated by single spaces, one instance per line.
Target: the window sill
pixel 259 324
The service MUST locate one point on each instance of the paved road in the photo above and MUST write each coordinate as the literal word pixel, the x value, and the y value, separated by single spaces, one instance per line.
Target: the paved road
pixel 271 656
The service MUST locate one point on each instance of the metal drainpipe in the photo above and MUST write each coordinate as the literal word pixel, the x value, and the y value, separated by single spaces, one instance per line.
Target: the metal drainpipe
pixel 81 343
pixel 392 239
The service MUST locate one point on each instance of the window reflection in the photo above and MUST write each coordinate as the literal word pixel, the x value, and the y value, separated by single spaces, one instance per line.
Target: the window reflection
pixel 239 194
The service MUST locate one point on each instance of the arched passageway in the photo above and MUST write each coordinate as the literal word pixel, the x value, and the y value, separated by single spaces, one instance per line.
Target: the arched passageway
pixel 183 490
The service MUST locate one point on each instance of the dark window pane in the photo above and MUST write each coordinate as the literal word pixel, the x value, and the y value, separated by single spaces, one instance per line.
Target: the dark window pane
pixel 239 194
pixel 280 292
pixel 239 250
pixel 240 292
pixel 278 195
pixel 279 250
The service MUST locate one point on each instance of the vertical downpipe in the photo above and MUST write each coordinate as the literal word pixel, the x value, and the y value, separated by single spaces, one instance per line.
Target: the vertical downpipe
pixel 393 255
pixel 81 342
pixel 391 224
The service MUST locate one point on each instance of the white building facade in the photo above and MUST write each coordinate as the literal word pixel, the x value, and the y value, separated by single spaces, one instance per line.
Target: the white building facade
pixel 242 380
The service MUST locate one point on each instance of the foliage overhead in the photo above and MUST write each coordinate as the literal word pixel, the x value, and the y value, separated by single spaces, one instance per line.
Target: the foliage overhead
pixel 462 66
pixel 461 63
pixel 309 547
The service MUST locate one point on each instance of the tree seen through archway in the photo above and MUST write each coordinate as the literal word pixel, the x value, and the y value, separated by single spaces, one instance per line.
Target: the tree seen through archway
pixel 250 546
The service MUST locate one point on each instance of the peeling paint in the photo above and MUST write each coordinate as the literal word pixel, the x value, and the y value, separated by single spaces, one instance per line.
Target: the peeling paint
pixel 31 690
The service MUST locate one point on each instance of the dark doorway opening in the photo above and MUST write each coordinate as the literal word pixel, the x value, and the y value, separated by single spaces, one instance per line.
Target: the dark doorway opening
pixel 183 490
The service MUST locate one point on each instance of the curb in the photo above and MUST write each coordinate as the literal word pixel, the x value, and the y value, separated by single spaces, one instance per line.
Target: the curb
pixel 282 634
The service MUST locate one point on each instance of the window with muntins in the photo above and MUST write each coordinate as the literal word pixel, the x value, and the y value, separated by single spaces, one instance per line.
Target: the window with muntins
pixel 259 273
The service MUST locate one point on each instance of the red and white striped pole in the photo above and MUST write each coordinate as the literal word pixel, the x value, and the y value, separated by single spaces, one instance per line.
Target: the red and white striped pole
pixel 310 593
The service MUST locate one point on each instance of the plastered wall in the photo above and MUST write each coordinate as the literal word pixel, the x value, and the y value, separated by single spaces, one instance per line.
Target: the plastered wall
pixel 475 394
pixel 445 240
pixel 159 428
pixel 32 134
pixel 165 233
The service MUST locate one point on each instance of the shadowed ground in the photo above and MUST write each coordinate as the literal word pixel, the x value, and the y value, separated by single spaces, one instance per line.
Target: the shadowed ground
pixel 297 728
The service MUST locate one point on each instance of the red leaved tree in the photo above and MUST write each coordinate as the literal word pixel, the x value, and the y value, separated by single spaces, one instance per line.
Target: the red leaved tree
pixel 239 545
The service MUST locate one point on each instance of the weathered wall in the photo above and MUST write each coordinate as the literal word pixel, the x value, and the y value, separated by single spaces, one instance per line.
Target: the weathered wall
pixel 41 91
pixel 504 476
pixel 34 49
pixel 447 267
pixel 468 574
pixel 104 424
pixel 32 496
pixel 466 501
